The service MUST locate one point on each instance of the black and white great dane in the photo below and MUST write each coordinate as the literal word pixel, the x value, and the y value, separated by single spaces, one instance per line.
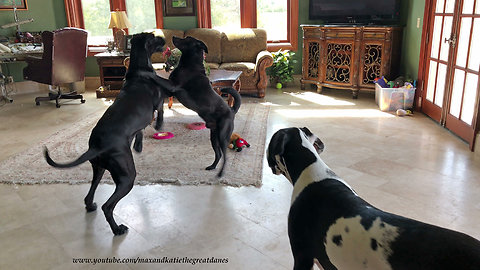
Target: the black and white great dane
pixel 329 222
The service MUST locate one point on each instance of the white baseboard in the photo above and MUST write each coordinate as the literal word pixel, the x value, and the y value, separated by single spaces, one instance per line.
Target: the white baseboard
pixel 28 87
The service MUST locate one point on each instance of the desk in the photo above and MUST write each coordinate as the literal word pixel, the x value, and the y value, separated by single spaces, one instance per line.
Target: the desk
pixel 19 53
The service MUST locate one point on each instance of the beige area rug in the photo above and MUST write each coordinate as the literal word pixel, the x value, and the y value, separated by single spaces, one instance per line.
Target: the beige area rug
pixel 179 160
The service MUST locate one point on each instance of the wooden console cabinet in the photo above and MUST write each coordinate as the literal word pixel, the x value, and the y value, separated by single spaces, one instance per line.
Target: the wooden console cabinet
pixel 112 72
pixel 349 57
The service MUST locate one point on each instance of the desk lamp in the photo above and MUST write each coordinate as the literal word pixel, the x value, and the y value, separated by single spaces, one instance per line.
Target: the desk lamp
pixel 119 21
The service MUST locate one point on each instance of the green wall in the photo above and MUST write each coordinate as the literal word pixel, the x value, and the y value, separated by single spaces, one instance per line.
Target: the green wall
pixel 412 37
pixel 47 15
pixel 50 15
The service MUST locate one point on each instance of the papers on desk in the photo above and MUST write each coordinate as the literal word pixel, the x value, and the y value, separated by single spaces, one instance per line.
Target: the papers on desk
pixel 25 48
pixel 18 51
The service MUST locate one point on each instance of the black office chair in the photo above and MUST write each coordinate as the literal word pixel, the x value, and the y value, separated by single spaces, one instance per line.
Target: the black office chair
pixel 63 61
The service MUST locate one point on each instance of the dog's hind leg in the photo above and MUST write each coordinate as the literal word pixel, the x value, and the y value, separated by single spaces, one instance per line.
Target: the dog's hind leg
pixel 123 174
pixel 216 148
pixel 138 144
pixel 224 134
pixel 97 176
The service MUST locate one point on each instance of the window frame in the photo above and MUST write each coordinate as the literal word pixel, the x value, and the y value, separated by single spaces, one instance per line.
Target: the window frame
pixel 248 19
pixel 74 12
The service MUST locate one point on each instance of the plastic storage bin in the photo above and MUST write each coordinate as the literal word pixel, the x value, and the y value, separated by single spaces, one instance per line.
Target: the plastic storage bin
pixel 392 99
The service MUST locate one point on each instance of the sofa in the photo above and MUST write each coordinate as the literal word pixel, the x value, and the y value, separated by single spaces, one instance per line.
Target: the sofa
pixel 242 50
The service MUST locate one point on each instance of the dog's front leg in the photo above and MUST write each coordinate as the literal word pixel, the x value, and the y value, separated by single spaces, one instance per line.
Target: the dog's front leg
pixel 138 144
pixel 159 120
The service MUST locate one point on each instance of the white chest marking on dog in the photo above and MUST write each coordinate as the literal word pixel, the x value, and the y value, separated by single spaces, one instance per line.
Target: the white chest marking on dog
pixel 316 172
pixel 350 246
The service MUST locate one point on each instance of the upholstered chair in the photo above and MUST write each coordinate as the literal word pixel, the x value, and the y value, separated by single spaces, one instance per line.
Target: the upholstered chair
pixel 62 62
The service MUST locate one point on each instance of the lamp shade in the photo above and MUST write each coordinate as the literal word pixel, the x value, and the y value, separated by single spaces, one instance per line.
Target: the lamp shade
pixel 119 19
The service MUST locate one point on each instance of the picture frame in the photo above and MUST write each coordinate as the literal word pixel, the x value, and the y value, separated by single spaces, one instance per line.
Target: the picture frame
pixel 128 46
pixel 8 4
pixel 179 8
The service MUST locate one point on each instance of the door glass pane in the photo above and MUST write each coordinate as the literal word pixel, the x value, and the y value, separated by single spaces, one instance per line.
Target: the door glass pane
pixel 469 98
pixel 272 16
pixel 457 91
pixel 225 14
pixel 432 78
pixel 450 6
pixel 445 46
pixel 468 6
pixel 474 58
pixel 96 16
pixel 477 7
pixel 437 28
pixel 141 14
pixel 441 77
pixel 440 6
pixel 463 41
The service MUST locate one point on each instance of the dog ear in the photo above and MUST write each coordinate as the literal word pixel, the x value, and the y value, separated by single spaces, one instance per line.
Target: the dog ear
pixel 276 147
pixel 203 46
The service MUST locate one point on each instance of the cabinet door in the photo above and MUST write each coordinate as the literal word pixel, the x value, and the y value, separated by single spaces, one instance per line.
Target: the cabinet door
pixel 371 64
pixel 311 65
pixel 339 62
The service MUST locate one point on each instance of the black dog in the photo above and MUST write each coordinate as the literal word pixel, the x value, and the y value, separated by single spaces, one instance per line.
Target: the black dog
pixel 198 95
pixel 329 222
pixel 109 145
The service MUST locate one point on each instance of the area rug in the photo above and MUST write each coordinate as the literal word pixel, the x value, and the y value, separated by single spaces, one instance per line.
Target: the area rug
pixel 179 160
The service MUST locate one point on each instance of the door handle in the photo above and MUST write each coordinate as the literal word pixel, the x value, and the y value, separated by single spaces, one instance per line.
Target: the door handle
pixel 452 40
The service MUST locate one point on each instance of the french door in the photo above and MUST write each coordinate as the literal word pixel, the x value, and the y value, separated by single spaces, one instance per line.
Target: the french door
pixel 451 65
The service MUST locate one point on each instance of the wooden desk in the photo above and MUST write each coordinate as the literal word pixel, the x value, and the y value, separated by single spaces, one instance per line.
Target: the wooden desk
pixel 220 78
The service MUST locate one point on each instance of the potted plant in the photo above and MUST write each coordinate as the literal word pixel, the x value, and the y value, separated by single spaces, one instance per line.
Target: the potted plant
pixel 281 71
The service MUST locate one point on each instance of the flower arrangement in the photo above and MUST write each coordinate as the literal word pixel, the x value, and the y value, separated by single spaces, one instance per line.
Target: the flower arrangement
pixel 173 58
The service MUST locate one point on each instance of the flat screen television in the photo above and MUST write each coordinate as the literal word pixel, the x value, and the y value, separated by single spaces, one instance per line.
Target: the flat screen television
pixel 355 11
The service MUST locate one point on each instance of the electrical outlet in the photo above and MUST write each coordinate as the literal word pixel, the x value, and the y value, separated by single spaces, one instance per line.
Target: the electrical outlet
pixel 418 23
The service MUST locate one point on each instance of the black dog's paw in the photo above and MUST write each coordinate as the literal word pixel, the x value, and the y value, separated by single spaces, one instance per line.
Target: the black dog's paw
pixel 211 167
pixel 91 208
pixel 120 230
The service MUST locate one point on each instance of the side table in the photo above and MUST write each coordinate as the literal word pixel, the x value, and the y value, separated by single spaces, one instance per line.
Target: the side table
pixel 112 73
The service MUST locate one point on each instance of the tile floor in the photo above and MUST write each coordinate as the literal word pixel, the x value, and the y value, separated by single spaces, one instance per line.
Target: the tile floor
pixel 408 165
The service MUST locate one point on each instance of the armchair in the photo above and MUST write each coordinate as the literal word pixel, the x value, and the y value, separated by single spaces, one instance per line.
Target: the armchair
pixel 63 61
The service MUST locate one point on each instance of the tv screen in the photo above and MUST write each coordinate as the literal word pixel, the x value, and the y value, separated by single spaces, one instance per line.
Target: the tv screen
pixel 351 11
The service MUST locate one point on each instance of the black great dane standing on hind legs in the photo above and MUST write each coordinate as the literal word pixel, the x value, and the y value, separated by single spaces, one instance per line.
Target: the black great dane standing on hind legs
pixel 142 93
pixel 198 95
pixel 329 222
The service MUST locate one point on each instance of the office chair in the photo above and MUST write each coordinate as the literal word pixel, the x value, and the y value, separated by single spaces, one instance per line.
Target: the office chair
pixel 63 61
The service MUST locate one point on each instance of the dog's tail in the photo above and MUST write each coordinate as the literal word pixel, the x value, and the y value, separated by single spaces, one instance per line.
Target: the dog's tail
pixel 237 100
pixel 90 154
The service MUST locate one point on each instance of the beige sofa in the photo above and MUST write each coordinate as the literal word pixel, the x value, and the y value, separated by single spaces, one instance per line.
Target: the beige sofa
pixel 243 49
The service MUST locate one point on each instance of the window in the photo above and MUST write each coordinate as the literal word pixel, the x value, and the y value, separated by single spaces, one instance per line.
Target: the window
pixel 272 16
pixel 278 17
pixel 96 20
pixel 141 14
pixel 225 14
pixel 94 16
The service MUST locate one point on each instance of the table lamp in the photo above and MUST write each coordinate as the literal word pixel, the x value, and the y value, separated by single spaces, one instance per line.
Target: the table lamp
pixel 119 21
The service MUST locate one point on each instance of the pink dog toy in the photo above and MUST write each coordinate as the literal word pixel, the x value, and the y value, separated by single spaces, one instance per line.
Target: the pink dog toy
pixel 163 135
pixel 196 126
